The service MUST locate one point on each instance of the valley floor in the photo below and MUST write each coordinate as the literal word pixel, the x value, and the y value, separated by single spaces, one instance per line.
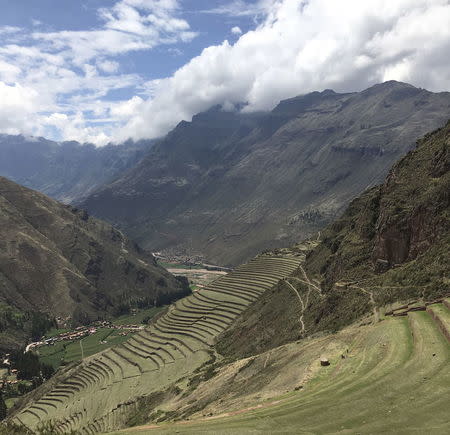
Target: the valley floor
pixel 389 377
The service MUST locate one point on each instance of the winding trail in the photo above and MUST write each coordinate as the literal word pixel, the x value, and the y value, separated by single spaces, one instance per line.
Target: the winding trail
pixel 304 304
pixel 302 323
pixel 376 313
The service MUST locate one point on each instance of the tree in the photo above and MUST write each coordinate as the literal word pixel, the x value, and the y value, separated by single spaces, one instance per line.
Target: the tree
pixel 3 408
pixel 47 370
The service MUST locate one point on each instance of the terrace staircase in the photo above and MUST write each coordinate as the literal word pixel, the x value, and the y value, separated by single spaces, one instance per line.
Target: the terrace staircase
pixel 104 389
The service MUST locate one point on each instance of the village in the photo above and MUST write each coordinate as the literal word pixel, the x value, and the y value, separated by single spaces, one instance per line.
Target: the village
pixel 83 331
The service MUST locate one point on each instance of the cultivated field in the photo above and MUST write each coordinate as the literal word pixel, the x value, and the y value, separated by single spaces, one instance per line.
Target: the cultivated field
pixel 394 377
pixel 101 393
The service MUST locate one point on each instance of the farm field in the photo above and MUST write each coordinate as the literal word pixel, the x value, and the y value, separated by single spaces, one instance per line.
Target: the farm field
pixel 395 378
pixel 137 318
pixel 197 275
pixel 63 352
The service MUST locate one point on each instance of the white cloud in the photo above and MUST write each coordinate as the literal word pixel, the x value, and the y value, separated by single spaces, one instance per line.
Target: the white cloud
pixel 59 81
pixel 5 30
pixel 17 103
pixel 72 72
pixel 236 30
pixel 108 66
pixel 303 46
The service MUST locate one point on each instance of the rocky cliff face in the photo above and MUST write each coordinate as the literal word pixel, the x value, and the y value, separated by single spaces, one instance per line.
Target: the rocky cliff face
pixel 410 221
pixel 228 185
pixel 397 233
pixel 55 259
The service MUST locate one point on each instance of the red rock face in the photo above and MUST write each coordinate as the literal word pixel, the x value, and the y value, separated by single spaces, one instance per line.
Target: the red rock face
pixel 412 211
pixel 397 242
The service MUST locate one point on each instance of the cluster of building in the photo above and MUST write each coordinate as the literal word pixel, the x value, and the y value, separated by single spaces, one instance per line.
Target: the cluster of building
pixel 83 331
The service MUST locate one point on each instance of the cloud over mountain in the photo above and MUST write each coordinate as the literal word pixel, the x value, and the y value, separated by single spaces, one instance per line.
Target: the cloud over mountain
pixel 303 46
pixel 295 47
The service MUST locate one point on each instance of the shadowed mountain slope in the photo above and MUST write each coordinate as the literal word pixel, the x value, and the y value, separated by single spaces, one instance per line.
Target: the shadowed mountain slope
pixel 65 171
pixel 227 185
pixel 56 259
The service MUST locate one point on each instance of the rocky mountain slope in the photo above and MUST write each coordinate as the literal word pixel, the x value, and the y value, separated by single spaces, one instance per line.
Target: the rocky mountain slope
pixel 228 185
pixel 55 259
pixel 391 244
pixel 65 171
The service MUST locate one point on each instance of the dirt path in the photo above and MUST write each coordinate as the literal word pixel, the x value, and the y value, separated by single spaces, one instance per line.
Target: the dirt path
pixel 376 313
pixel 304 304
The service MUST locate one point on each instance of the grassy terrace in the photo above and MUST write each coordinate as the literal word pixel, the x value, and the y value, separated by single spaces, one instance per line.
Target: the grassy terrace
pixel 395 379
pixel 100 394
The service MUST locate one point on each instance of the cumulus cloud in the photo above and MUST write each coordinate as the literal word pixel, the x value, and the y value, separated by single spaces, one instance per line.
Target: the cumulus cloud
pixel 17 102
pixel 236 30
pixel 303 46
pixel 72 72
pixel 297 47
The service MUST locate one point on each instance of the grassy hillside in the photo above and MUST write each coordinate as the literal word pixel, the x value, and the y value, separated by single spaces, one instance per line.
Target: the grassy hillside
pixel 57 260
pixel 391 377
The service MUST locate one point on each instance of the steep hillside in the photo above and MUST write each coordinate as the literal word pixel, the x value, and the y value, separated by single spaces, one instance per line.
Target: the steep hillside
pixel 228 185
pixel 107 390
pixel 65 171
pixel 56 259
pixel 391 244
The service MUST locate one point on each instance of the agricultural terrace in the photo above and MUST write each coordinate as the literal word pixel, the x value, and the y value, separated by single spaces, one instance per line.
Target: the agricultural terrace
pixel 100 393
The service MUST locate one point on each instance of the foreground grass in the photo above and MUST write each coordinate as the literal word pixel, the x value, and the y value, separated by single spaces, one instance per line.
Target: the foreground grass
pixel 396 379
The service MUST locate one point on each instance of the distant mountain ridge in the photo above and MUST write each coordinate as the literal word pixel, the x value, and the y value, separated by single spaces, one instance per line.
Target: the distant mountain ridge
pixel 228 185
pixel 55 259
pixel 66 171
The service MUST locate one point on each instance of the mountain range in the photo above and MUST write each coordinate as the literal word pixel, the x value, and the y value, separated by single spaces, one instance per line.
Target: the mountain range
pixel 66 171
pixel 346 324
pixel 228 185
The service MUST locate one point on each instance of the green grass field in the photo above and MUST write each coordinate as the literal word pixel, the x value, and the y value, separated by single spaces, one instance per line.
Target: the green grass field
pixel 137 318
pixel 64 351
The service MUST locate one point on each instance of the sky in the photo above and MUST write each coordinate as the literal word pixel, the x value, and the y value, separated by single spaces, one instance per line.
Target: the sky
pixel 105 71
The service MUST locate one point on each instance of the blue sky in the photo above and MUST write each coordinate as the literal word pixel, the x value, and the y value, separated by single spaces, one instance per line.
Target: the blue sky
pixel 100 71
pixel 78 15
